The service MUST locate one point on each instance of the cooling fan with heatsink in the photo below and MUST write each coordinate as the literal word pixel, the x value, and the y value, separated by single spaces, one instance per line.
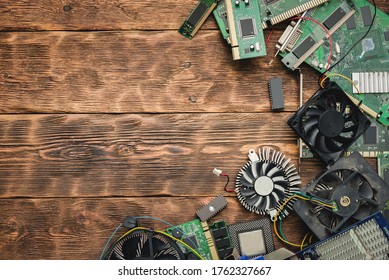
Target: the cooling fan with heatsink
pixel 146 245
pixel 350 184
pixel 329 122
pixel 266 181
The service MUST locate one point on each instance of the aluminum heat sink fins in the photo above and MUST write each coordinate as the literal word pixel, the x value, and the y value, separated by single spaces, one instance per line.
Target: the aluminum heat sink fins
pixel 266 181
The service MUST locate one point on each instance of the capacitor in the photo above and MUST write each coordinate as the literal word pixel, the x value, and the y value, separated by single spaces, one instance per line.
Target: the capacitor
pixel 337 48
pixel 237 2
pixel 246 2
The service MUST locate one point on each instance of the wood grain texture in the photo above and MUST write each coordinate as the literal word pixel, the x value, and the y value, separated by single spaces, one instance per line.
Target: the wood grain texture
pixel 95 15
pixel 79 228
pixel 131 155
pixel 102 14
pixel 131 72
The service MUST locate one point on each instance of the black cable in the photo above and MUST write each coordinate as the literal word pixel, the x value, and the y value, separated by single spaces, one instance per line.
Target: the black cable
pixel 363 37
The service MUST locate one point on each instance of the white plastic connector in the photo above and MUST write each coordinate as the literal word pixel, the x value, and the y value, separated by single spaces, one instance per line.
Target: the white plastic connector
pixel 217 172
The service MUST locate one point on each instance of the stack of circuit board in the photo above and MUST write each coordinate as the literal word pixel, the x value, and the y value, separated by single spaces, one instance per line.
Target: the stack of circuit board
pixel 241 22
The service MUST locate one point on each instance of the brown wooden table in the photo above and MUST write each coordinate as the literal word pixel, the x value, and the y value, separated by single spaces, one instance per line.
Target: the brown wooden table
pixel 106 111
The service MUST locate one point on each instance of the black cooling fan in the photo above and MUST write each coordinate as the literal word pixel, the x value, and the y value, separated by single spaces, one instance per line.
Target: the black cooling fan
pixel 146 245
pixel 266 181
pixel 351 184
pixel 329 122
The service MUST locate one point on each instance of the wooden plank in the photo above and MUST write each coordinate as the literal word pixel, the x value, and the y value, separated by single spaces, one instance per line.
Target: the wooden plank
pixel 122 72
pixel 102 15
pixel 131 155
pixel 79 228
pixel 95 15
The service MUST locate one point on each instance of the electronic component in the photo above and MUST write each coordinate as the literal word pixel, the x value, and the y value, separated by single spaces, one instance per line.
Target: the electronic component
pixel 366 56
pixel 253 238
pixel 192 234
pixel 246 34
pixel 386 34
pixel 220 15
pixel 353 186
pixel 370 135
pixel 222 239
pixel 210 240
pixel 329 123
pixel 145 245
pixel 311 41
pixel 275 11
pixel 366 15
pixel 196 18
pixel 366 240
pixel 209 210
pixel 276 94
pixel 371 82
pixel 266 181
pixel 383 167
pixel 350 23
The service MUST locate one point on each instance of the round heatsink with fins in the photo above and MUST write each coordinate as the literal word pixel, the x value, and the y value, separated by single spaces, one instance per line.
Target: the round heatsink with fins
pixel 266 181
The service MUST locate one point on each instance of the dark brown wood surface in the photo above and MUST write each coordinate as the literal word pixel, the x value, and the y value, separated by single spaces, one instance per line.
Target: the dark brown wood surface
pixel 106 111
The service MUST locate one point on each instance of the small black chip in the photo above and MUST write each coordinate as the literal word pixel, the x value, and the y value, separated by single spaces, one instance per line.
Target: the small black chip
pixel 197 13
pixel 370 136
pixel 270 1
pixel 191 241
pixel 247 27
pixel 222 243
pixel 334 18
pixel 350 23
pixel 276 94
pixel 219 233
pixel 366 16
pixel 304 47
pixel 386 34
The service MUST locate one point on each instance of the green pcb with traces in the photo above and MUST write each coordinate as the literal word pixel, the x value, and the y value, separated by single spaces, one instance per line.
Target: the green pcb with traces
pixel 246 34
pixel 196 18
pixel 367 64
pixel 383 169
pixel 220 15
pixel 275 11
pixel 221 236
pixel 193 236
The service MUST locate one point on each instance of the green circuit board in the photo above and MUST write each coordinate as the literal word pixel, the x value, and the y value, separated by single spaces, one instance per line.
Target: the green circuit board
pixel 193 236
pixel 275 11
pixel 246 34
pixel 348 21
pixel 220 15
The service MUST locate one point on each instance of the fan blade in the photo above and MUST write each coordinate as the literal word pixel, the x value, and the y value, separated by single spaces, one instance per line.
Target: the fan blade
pixel 325 217
pixel 264 167
pixel 313 112
pixel 324 194
pixel 267 207
pixel 365 190
pixel 322 103
pixel 252 200
pixel 363 212
pixel 344 140
pixel 310 123
pixel 247 192
pixel 280 180
pixel 321 143
pixel 275 200
pixel 279 187
pixel 312 136
pixel 249 174
pixel 132 247
pixel 254 169
pixel 269 167
pixel 332 145
pixel 258 202
pixel 259 169
pixel 245 181
pixel 351 128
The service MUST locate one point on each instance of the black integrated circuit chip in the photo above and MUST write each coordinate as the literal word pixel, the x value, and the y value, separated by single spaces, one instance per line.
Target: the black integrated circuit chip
pixel 304 47
pixel 191 240
pixel 350 23
pixel 276 94
pixel 334 18
pixel 197 13
pixel 370 136
pixel 386 34
pixel 366 15
pixel 247 27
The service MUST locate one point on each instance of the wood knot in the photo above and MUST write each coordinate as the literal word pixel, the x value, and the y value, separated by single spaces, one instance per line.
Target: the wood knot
pixel 192 99
pixel 187 64
pixel 67 8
